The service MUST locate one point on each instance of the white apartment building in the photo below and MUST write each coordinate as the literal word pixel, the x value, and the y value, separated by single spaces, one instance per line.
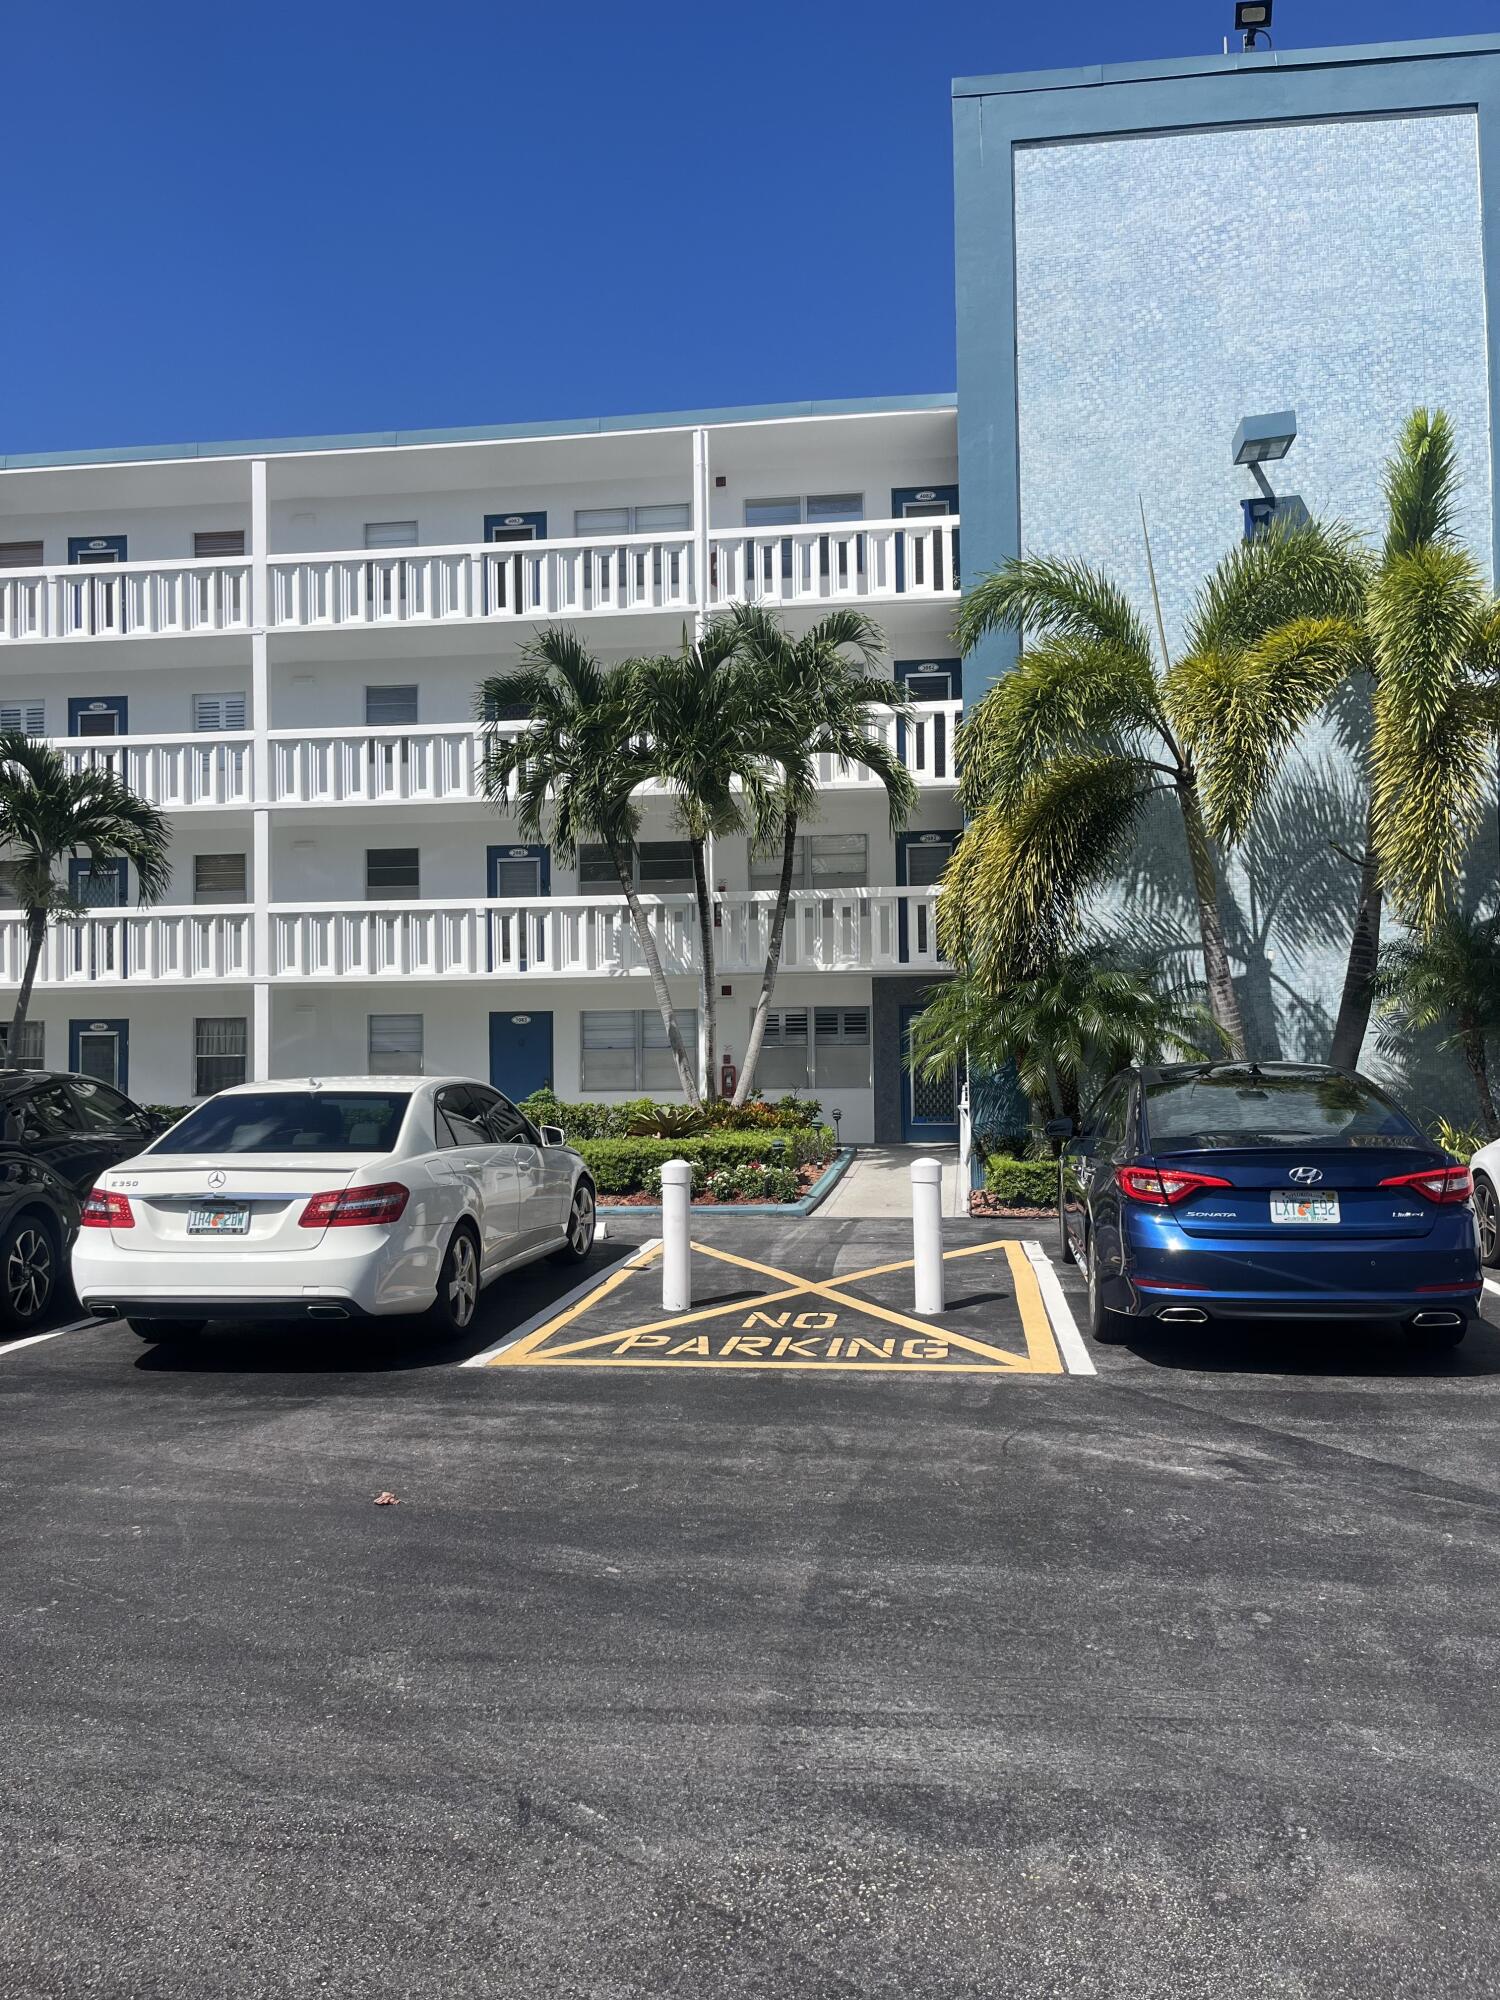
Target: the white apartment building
pixel 279 644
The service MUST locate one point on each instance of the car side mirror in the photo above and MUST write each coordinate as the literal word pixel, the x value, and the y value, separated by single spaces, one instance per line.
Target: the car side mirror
pixel 554 1135
pixel 1058 1128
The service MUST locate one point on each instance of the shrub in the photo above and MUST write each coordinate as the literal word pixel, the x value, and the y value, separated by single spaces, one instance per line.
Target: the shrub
pixel 624 1166
pixel 1022 1183
pixel 642 1117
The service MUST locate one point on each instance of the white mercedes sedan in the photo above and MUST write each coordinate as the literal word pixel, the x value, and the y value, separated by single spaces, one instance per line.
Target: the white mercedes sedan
pixel 339 1199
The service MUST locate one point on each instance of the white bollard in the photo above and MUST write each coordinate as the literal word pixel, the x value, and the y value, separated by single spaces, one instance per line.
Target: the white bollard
pixel 676 1257
pixel 927 1235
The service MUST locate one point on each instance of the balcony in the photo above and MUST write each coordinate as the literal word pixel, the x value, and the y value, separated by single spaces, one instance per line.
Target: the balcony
pixel 864 563
pixel 559 937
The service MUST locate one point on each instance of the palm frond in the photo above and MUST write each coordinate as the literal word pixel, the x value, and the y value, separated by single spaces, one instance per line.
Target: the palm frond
pixel 1294 571
pixel 1053 597
pixel 1421 484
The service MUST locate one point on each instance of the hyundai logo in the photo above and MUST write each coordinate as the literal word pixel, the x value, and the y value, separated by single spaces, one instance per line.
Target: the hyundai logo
pixel 1307 1175
pixel 216 1179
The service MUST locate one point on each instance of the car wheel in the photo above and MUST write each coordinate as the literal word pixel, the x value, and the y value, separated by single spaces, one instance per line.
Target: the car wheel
pixel 165 1332
pixel 581 1220
pixel 457 1301
pixel 1107 1327
pixel 1487 1209
pixel 28 1271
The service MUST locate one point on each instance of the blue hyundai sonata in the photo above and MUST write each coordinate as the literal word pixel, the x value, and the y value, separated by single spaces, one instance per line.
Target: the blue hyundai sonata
pixel 1257 1191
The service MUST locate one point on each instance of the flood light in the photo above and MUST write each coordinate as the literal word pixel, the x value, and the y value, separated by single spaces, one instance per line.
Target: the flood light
pixel 1252 18
pixel 1259 440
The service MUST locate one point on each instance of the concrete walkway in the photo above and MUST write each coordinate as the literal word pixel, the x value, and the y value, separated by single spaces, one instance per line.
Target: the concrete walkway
pixel 879 1182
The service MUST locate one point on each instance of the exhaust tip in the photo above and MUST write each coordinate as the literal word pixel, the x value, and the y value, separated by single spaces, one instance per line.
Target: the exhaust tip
pixel 1437 1319
pixel 326 1312
pixel 1184 1315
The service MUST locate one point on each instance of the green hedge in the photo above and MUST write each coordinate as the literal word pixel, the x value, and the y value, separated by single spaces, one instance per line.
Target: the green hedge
pixel 589 1119
pixel 1022 1183
pixel 627 1166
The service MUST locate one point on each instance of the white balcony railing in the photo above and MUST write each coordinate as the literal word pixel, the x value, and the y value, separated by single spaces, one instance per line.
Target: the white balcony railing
pixel 173 772
pixel 497 582
pixel 124 600
pixel 845 930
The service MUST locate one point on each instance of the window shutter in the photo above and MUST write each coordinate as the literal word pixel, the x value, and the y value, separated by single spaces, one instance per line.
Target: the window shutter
pixel 390 707
pixel 29 718
pixel 20 555
pixel 390 534
pixel 210 542
pixel 218 712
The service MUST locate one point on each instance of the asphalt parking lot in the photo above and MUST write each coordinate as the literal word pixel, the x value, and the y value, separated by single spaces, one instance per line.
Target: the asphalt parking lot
pixel 726 1672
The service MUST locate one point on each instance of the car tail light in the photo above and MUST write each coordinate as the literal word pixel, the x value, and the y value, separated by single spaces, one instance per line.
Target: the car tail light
pixel 1436 1183
pixel 1164 1187
pixel 104 1210
pixel 348 1208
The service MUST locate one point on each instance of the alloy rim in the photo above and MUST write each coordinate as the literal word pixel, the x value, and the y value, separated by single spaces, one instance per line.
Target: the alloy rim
pixel 581 1231
pixel 1489 1222
pixel 463 1288
pixel 28 1274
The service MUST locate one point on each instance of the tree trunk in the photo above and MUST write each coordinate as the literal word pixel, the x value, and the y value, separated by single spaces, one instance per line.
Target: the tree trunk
pixel 1223 1001
pixel 773 959
pixel 1471 1041
pixel 659 987
pixel 1358 996
pixel 708 1027
pixel 36 933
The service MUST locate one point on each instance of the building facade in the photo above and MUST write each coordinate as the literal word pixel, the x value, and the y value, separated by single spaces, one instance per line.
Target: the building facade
pixel 280 646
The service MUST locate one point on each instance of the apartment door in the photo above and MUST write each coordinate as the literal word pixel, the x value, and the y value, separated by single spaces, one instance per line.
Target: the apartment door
pixel 98 715
pixel 929 1110
pixel 96 600
pixel 521 1053
pixel 100 885
pixel 920 861
pixel 911 503
pixel 505 582
pixel 517 874
pixel 100 1049
pixel 931 680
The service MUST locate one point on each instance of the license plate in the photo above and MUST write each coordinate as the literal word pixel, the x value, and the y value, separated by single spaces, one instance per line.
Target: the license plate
pixel 218 1221
pixel 1304 1208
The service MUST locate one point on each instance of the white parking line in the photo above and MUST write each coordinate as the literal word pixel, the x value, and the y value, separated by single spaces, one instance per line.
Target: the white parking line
pixel 31 1339
pixel 1492 1284
pixel 1076 1357
pixel 550 1312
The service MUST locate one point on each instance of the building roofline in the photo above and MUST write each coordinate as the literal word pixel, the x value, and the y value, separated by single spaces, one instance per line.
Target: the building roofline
pixel 572 427
pixel 1161 70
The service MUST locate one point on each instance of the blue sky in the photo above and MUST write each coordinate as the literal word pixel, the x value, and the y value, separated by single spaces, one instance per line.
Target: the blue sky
pixel 327 217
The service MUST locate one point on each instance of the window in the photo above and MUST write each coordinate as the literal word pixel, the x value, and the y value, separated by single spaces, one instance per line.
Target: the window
pixel 835 507
pixel 219 878
pixel 103 1109
pixel 792 511
pixel 20 555
pixel 390 872
pixel 23 718
pixel 31 1045
pixel 291 1121
pixel 47 1113
pixel 395 1044
pixel 819 861
pixel 1270 1107
pixel 669 517
pixel 505 1125
pixel 220 1048
pixel 218 712
pixel 662 867
pixel 456 1119
pixel 390 534
pixel 836 1058
pixel 210 542
pixel 390 707
pixel 629 1051
pixel 772 513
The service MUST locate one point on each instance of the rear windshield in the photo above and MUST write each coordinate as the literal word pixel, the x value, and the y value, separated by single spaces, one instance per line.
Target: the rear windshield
pixel 1236 1108
pixel 291 1121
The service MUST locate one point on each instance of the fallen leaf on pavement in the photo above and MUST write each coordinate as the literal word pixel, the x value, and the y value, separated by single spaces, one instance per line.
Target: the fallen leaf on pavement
pixel 386 1500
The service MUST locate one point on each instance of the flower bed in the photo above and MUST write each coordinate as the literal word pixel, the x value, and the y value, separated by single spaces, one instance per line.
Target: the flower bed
pixel 1016 1187
pixel 733 1189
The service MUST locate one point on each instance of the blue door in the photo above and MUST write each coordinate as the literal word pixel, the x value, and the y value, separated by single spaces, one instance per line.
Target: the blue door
pixel 909 503
pixel 505 581
pixel 931 680
pixel 98 885
pixel 98 715
pixel 920 861
pixel 519 938
pixel 96 548
pixel 100 1049
pixel 929 1111
pixel 521 1053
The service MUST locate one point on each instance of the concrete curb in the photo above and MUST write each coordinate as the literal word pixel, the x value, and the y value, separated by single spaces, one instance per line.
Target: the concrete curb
pixel 820 1190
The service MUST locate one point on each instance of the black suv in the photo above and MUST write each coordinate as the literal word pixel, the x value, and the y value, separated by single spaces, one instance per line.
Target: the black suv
pixel 57 1135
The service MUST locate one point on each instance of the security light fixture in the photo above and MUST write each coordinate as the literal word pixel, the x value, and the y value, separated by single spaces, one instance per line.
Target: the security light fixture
pixel 1261 439
pixel 1252 18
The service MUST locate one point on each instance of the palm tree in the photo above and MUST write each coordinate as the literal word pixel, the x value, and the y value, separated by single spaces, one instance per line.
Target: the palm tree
pixel 704 726
pixel 1070 1024
pixel 1447 975
pixel 818 695
pixel 575 768
pixel 49 814
pixel 1061 757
